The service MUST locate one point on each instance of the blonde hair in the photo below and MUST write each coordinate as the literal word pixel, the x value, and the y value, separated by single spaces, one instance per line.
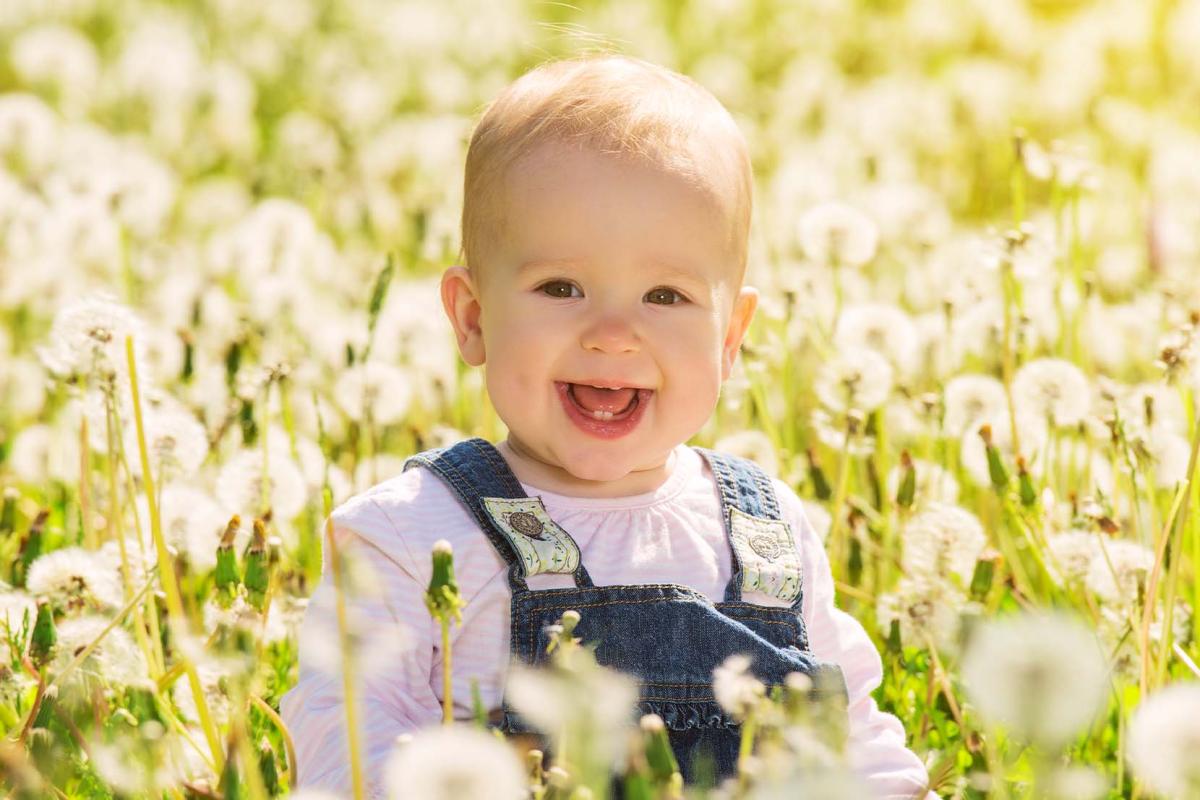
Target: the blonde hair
pixel 609 104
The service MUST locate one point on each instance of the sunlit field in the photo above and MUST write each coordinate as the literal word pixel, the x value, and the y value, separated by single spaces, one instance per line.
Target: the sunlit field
pixel 976 240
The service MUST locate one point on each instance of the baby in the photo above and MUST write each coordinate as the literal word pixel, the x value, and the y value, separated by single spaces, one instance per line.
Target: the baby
pixel 605 225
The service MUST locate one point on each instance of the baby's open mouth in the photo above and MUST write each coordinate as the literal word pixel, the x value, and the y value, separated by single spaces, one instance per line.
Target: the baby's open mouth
pixel 606 403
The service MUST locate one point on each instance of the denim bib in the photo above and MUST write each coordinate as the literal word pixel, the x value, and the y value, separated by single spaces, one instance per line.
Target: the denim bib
pixel 668 636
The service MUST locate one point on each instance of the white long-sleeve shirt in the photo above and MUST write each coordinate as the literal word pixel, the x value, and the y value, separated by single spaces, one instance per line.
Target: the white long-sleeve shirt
pixel 670 535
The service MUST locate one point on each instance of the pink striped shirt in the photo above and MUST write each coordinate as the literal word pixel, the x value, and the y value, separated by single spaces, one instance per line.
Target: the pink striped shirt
pixel 669 535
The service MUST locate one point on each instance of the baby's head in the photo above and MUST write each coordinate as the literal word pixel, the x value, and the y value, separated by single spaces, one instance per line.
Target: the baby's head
pixel 605 223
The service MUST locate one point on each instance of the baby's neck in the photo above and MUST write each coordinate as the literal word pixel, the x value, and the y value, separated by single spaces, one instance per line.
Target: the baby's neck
pixel 550 478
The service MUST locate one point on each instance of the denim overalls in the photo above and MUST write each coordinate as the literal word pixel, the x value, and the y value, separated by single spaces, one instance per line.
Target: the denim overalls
pixel 668 636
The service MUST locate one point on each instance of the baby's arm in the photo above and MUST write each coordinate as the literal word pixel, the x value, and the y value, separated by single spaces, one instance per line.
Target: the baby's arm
pixel 876 746
pixel 394 694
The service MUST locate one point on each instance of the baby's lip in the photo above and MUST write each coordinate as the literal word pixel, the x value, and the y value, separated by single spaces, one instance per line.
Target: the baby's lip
pixel 608 384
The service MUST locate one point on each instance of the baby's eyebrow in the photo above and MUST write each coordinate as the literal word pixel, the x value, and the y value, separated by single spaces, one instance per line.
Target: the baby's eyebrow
pixel 659 268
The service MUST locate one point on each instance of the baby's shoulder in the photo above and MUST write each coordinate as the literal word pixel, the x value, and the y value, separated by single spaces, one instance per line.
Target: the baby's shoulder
pixel 404 516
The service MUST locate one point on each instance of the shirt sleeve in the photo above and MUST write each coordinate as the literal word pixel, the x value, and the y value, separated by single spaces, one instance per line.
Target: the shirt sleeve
pixel 394 663
pixel 876 747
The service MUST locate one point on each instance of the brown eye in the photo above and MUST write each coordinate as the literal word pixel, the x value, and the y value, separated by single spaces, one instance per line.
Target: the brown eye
pixel 663 295
pixel 558 289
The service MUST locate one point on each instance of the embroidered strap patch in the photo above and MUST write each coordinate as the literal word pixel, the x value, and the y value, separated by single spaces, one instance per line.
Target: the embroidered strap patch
pixel 770 563
pixel 542 545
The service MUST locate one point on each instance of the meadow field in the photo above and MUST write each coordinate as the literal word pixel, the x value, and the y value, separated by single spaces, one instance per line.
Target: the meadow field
pixel 976 239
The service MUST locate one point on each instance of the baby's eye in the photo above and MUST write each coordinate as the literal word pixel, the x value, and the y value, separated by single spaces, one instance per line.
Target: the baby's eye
pixel 555 289
pixel 657 296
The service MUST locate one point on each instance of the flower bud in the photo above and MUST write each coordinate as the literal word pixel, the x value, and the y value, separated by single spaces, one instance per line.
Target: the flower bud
pixel 41 645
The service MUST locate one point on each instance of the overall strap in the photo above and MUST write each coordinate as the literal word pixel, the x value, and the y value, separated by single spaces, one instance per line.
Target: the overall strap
pixel 762 548
pixel 517 525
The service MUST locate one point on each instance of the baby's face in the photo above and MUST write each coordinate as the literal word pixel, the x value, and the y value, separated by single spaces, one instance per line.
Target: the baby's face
pixel 610 274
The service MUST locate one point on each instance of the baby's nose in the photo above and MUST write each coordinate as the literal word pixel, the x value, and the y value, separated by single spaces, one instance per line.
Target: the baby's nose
pixel 612 333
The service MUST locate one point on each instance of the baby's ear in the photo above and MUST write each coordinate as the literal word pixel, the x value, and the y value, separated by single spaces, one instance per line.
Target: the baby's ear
pixel 744 306
pixel 460 299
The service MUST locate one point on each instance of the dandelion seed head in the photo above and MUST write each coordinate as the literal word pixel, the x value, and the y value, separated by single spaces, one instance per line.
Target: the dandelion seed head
pixel 239 487
pixel 855 378
pixel 970 398
pixel 585 695
pixel 735 688
pixel 1052 389
pixel 943 540
pixel 1164 737
pixel 452 762
pixel 835 233
pixel 884 328
pixel 176 442
pixel 831 432
pixel 926 608
pixel 87 338
pixel 29 131
pixel 41 453
pixel 380 390
pixel 1044 677
pixel 1072 554
pixel 1116 578
pixel 116 660
pixel 74 579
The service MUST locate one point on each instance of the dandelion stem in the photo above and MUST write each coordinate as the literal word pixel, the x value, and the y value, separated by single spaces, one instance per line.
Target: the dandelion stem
pixel 85 481
pixel 447 675
pixel 166 565
pixel 1006 366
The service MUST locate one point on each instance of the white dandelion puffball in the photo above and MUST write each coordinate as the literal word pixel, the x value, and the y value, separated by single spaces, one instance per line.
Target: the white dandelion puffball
pixel 115 660
pixel 1117 569
pixel 1052 389
pixel 382 390
pixel 855 378
pixel 926 608
pixel 1044 677
pixel 74 578
pixel 87 337
pixel 591 699
pixel 943 540
pixel 735 688
pixel 970 398
pixel 835 233
pixel 1072 554
pixel 454 762
pixel 1164 737
pixel 240 485
pixel 176 442
pixel 884 328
